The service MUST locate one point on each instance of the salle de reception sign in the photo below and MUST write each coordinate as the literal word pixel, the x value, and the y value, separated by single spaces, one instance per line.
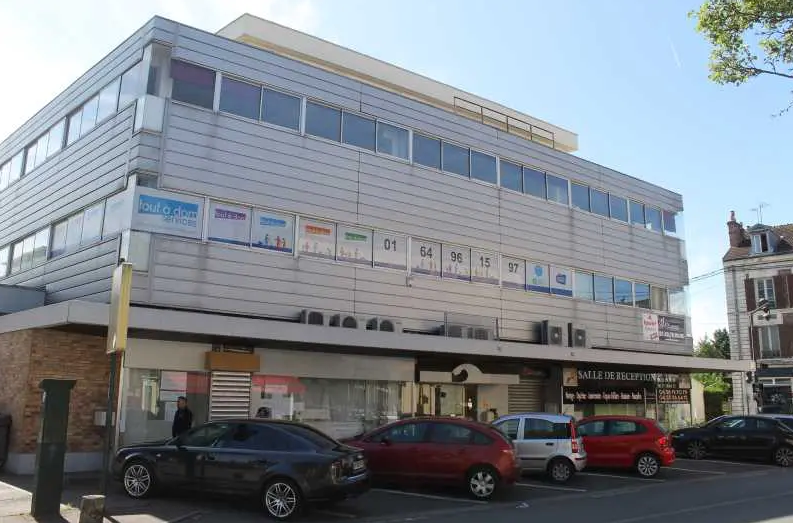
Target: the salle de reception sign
pixel 659 327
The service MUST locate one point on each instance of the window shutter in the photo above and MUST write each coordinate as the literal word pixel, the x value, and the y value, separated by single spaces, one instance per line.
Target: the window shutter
pixel 749 289
pixel 755 343
pixel 786 339
pixel 781 296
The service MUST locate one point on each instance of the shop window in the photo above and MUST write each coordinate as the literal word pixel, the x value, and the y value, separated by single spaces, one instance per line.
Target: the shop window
pixel 240 98
pixel 323 121
pixel 392 140
pixel 580 196
pixel 193 84
pixel 426 151
pixel 358 131
pixel 483 167
pixel 511 176
pixel 281 109
pixel 456 159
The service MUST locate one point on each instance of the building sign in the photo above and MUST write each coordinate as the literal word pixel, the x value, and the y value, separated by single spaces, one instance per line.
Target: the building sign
pixel 354 245
pixel 425 257
pixel 561 281
pixel 456 262
pixel 273 231
pixel 317 238
pixel 167 213
pixel 484 267
pixel 537 278
pixel 229 223
pixel 576 395
pixel 513 273
pixel 664 395
pixel 659 327
pixel 390 251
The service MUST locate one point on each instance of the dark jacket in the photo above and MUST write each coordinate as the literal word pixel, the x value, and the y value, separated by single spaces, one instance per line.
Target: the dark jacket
pixel 182 421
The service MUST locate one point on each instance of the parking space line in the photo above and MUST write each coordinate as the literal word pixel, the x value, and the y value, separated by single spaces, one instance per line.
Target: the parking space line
pixel 716 472
pixel 724 462
pixel 429 496
pixel 598 474
pixel 551 487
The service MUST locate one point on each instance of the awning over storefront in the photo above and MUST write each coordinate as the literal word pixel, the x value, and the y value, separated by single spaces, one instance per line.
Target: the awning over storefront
pixel 192 325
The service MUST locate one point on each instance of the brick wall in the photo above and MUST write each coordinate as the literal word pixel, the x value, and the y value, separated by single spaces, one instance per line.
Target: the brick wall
pixel 40 354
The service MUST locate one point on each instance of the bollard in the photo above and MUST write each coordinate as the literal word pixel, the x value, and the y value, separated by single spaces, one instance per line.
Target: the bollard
pixel 92 509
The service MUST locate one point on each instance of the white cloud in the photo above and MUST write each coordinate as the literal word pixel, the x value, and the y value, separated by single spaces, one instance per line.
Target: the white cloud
pixel 50 43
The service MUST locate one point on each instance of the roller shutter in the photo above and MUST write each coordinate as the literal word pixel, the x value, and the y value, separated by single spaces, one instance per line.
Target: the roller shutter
pixel 525 396
pixel 230 395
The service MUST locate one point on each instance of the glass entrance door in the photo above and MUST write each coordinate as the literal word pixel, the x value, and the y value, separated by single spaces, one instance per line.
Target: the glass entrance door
pixel 441 400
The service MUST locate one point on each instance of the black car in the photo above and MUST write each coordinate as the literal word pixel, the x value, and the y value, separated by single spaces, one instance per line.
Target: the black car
pixel 284 464
pixel 763 436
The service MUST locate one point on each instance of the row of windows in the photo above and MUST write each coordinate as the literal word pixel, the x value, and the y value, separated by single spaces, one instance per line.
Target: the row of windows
pixel 275 231
pixel 196 85
pixel 98 221
pixel 114 96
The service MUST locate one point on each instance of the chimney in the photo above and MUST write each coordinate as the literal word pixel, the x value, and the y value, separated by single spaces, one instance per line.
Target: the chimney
pixel 735 231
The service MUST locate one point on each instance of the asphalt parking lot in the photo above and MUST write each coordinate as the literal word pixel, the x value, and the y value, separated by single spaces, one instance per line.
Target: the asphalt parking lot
pixel 392 505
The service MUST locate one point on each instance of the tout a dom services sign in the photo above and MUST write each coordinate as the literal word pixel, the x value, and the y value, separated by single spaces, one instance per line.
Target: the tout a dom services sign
pixel 167 213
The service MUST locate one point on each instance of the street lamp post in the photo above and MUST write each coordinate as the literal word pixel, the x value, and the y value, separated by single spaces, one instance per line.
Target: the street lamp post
pixel 762 305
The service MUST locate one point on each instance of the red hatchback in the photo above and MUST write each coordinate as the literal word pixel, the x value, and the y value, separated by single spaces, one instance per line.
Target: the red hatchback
pixel 626 442
pixel 451 451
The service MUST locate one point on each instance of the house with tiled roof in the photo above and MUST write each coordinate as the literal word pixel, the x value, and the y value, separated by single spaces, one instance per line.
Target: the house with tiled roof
pixel 757 273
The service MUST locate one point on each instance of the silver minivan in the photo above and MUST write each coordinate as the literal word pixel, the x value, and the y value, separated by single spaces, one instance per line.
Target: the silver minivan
pixel 545 443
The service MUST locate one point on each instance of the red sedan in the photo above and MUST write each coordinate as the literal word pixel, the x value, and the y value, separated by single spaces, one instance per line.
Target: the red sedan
pixel 626 442
pixel 450 451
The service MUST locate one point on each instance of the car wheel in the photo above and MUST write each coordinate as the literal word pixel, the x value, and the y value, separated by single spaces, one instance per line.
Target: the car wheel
pixel 482 482
pixel 560 470
pixel 648 466
pixel 783 456
pixel 138 480
pixel 696 449
pixel 281 499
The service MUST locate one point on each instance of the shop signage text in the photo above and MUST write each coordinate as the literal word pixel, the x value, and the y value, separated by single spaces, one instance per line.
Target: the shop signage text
pixel 599 396
pixel 674 396
pixel 659 327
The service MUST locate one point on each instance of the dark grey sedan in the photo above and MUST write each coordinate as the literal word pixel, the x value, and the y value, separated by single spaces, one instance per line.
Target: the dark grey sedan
pixel 285 465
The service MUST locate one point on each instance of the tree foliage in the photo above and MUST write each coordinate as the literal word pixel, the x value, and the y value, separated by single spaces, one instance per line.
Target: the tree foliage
pixel 749 38
pixel 717 347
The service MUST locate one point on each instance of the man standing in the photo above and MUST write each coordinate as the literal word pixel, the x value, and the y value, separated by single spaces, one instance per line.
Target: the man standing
pixel 183 419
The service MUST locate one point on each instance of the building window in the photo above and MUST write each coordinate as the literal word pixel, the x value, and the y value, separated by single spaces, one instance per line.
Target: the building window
pixel 16 167
pixel 131 85
pixel 27 252
pixel 584 286
pixel 600 202
pixel 659 299
pixel 534 182
pixel 392 140
pixel 16 256
pixel 59 239
pixel 637 213
pixel 653 218
pixel 90 110
pixel 74 127
pixel 604 289
pixel 240 98
pixel 769 342
pixel 426 151
pixel 192 84
pixel 557 189
pixel 623 292
pixel 456 159
pixel 511 176
pixel 4 252
pixel 5 171
pixel 41 241
pixel 41 149
pixel 579 195
pixel 30 157
pixel 618 207
pixel 281 109
pixel 108 101
pixel 483 167
pixel 74 231
pixel 92 223
pixel 759 242
pixel 358 131
pixel 765 291
pixel 55 142
pixel 323 121
pixel 670 222
pixel 641 293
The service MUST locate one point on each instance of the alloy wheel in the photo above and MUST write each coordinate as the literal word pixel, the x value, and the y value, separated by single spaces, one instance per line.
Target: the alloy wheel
pixel 560 471
pixel 783 456
pixel 696 450
pixel 482 484
pixel 647 466
pixel 280 499
pixel 137 480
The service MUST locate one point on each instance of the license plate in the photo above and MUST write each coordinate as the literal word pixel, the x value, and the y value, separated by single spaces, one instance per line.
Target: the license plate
pixel 358 464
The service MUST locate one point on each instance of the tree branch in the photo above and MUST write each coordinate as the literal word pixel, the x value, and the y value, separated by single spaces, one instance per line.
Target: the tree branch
pixel 758 70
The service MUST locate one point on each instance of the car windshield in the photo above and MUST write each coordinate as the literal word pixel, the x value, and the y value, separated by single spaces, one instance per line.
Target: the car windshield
pixel 316 438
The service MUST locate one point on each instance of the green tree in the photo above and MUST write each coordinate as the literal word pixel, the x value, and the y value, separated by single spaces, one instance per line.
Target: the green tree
pixel 749 38
pixel 717 347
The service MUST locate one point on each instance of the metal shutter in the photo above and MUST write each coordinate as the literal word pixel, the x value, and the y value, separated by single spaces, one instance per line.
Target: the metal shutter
pixel 230 395
pixel 525 396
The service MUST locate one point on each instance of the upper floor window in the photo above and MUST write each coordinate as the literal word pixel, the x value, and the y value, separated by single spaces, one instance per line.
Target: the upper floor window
pixel 760 243
pixel 483 167
pixel 653 218
pixel 456 159
pixel 558 190
pixel 323 121
pixel 511 176
pixel 769 342
pixel 618 207
pixel 392 140
pixel 426 151
pixel 240 98
pixel 600 202
pixel 131 85
pixel 3 261
pixel 765 291
pixel 642 295
pixel 637 213
pixel 580 196
pixel 534 182
pixel 358 131
pixel 193 84
pixel 281 109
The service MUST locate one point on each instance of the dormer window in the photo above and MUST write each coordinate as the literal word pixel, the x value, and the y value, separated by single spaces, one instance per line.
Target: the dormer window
pixel 760 243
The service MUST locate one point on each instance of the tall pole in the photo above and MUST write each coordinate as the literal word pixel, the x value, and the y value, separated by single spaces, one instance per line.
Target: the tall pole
pixel 107 440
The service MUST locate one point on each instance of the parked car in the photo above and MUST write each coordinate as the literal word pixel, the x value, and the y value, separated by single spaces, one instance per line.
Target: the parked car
pixel 547 443
pixel 765 436
pixel 440 450
pixel 626 442
pixel 285 465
